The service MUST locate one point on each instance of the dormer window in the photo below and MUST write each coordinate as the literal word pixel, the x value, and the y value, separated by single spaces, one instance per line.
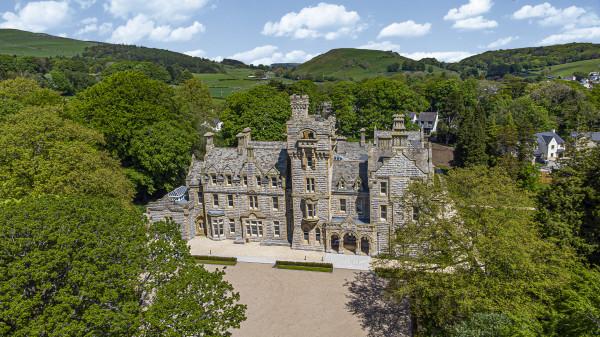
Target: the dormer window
pixel 273 182
pixel 228 179
pixel 258 181
pixel 342 184
pixel 213 179
pixel 358 184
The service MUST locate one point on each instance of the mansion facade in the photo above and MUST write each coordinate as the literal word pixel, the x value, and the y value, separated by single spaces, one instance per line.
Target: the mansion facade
pixel 314 191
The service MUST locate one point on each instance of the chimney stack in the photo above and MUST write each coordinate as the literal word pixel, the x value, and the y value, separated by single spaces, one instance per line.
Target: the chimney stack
pixel 362 137
pixel 209 142
pixel 341 144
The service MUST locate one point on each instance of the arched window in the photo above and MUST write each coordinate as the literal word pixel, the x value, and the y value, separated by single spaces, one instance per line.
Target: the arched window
pixel 307 134
pixel 358 184
pixel 342 184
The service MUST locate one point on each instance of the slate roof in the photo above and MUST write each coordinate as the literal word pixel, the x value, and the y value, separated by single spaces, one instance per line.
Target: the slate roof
pixel 350 170
pixel 400 166
pixel 428 116
pixel 266 156
pixel 546 137
pixel 594 136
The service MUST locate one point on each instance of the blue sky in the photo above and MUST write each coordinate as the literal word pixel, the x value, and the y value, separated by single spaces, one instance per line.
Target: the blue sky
pixel 272 31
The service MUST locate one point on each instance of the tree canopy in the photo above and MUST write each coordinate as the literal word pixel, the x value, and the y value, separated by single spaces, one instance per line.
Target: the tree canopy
pixel 75 265
pixel 471 246
pixel 42 153
pixel 141 118
pixel 264 109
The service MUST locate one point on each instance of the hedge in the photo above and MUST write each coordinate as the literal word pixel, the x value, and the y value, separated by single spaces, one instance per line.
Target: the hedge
pixel 214 258
pixel 304 264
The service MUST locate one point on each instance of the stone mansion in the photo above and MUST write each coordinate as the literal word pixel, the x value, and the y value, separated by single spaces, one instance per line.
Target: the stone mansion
pixel 314 191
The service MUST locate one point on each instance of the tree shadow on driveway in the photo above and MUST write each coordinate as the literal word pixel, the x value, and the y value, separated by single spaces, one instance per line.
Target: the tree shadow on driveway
pixel 377 315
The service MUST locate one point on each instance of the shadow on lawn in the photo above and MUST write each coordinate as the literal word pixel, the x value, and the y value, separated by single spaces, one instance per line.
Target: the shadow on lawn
pixel 377 315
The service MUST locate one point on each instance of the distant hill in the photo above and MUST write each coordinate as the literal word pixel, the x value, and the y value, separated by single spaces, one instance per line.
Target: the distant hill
pixel 158 56
pixel 350 63
pixel 22 43
pixel 518 60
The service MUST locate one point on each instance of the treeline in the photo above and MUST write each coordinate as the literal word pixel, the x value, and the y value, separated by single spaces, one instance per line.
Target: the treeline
pixel 70 76
pixel 510 61
pixel 159 57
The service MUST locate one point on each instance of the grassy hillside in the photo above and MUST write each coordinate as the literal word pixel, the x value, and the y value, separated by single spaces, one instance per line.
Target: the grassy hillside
pixel 236 80
pixel 568 69
pixel 22 43
pixel 350 63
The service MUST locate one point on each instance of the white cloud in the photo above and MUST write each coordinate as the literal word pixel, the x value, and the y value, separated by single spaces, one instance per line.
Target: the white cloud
pixel 196 53
pixel 538 11
pixel 141 27
pixel 268 54
pixel 85 3
pixel 383 45
pixel 568 18
pixel 591 34
pixel 324 20
pixel 159 10
pixel 135 30
pixel 167 34
pixel 473 8
pixel 105 28
pixel 445 56
pixel 407 28
pixel 86 29
pixel 89 21
pixel 37 16
pixel 477 22
pixel 502 42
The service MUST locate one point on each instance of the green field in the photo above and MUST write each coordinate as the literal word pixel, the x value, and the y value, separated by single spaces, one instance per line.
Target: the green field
pixel 568 69
pixel 236 80
pixel 21 43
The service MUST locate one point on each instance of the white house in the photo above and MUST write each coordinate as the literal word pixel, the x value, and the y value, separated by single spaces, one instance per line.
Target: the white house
pixel 550 145
pixel 428 122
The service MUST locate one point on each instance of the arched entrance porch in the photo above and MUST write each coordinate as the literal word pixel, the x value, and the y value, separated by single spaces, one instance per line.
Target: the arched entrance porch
pixel 349 242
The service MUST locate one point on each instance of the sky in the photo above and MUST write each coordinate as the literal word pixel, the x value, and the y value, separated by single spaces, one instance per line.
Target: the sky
pixel 274 31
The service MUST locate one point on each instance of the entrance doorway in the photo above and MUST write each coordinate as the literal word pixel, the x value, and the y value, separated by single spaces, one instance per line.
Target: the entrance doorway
pixel 201 226
pixel 364 245
pixel 335 243
pixel 350 242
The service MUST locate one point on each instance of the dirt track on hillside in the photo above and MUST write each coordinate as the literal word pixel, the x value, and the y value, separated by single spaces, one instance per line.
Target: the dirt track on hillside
pixel 292 303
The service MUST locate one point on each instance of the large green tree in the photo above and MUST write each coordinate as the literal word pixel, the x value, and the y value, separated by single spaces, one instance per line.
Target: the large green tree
pixel 469 246
pixel 134 113
pixel 569 209
pixel 84 266
pixel 42 153
pixel 264 109
pixel 471 139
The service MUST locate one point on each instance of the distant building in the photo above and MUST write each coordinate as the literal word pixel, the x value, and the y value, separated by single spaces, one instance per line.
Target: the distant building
pixel 428 122
pixel 314 191
pixel 586 139
pixel 550 145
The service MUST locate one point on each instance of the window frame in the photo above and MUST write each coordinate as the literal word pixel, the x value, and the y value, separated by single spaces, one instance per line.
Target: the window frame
pixel 215 200
pixel 383 188
pixel 253 202
pixel 383 210
pixel 275 203
pixel 230 202
pixel 309 184
pixel 343 205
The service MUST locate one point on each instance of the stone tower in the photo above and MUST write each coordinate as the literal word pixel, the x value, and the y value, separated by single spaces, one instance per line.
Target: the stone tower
pixel 310 143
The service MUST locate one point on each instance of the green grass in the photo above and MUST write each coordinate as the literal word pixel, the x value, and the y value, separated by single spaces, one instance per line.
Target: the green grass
pixel 220 262
pixel 21 43
pixel 568 69
pixel 319 269
pixel 346 62
pixel 214 77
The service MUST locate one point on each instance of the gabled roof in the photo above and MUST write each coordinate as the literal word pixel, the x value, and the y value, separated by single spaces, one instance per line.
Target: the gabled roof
pixel 428 116
pixel 546 137
pixel 594 136
pixel 400 166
